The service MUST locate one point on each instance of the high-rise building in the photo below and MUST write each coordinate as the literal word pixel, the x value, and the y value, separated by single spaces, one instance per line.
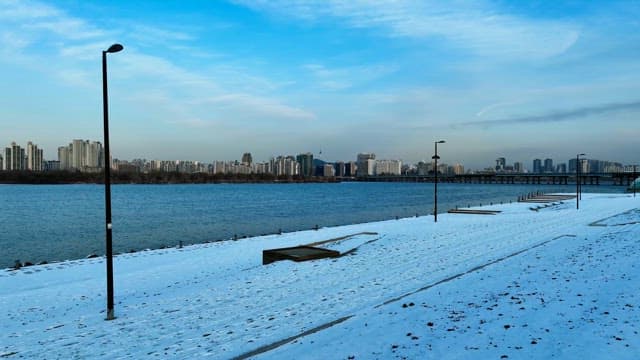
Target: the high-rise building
pixel 501 163
pixel 51 165
pixel 14 157
pixel 572 165
pixel 1 163
pixel 517 167
pixel 247 159
pixel 587 165
pixel 64 157
pixel 366 164
pixel 548 166
pixel 387 167
pixel 34 157
pixel 93 155
pixel 458 169
pixel 83 155
pixel 350 168
pixel 285 165
pixel 340 168
pixel 328 170
pixel 537 166
pixel 219 167
pixel 561 168
pixel 263 168
pixel 306 164
pixel 77 150
pixel 424 168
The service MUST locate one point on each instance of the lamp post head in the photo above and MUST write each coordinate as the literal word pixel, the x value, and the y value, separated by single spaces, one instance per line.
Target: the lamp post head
pixel 579 155
pixel 114 48
pixel 440 142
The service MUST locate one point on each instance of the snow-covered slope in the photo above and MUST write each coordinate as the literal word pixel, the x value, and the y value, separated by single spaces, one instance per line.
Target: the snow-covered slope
pixel 555 282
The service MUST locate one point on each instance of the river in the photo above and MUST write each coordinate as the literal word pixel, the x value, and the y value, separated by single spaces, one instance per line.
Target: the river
pixel 59 222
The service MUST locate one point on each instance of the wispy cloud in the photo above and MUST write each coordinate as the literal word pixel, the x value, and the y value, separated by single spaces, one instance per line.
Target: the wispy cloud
pixel 492 107
pixel 69 28
pixel 36 16
pixel 346 77
pixel 196 123
pixel 475 26
pixel 558 116
pixel 12 42
pixel 260 106
pixel 148 35
pixel 390 69
pixel 25 9
pixel 172 92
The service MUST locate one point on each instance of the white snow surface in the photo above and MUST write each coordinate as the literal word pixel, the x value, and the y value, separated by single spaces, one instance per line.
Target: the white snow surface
pixel 551 283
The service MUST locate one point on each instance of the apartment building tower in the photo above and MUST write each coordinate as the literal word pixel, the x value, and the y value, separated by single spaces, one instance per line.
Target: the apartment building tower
pixel 35 161
pixel 306 164
pixel 366 164
pixel 14 158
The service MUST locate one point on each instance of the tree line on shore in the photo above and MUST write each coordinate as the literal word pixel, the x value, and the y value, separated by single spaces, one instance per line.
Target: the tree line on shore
pixel 77 177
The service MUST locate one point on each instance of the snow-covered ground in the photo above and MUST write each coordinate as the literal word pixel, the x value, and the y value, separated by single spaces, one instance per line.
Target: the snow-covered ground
pixel 554 282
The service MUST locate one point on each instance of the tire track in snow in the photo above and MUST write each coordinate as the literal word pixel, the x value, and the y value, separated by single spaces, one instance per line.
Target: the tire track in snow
pixel 277 344
pixel 474 269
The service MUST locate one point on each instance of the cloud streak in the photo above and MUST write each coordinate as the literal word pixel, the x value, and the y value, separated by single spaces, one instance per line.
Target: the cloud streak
pixel 558 116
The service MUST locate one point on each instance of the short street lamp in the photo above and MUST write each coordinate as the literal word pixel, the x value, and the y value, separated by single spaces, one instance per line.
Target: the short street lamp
pixel 435 183
pixel 107 181
pixel 578 186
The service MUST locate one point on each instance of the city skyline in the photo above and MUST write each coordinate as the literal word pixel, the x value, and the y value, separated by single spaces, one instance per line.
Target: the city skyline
pixel 88 155
pixel 203 81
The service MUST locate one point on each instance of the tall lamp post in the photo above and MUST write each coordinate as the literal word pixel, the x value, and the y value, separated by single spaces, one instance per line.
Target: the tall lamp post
pixel 107 180
pixel 578 166
pixel 633 183
pixel 435 183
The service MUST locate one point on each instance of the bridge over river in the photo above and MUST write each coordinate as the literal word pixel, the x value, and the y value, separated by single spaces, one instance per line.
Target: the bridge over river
pixel 618 178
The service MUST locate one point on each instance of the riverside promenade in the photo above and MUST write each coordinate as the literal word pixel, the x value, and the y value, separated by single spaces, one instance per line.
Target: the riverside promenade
pixel 530 281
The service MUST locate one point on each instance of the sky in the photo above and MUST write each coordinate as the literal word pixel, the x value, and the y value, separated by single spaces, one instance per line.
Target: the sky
pixel 209 80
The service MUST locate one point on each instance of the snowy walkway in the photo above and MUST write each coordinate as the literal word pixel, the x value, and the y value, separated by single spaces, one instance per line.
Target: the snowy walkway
pixel 521 284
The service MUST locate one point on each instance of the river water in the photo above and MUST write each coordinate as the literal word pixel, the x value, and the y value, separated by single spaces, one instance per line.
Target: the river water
pixel 60 222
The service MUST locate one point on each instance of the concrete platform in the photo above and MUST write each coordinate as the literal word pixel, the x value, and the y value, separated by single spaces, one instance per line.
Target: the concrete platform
pixel 547 198
pixel 475 212
pixel 297 253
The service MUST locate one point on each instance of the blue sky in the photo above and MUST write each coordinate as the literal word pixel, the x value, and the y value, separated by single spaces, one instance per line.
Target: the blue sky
pixel 205 80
